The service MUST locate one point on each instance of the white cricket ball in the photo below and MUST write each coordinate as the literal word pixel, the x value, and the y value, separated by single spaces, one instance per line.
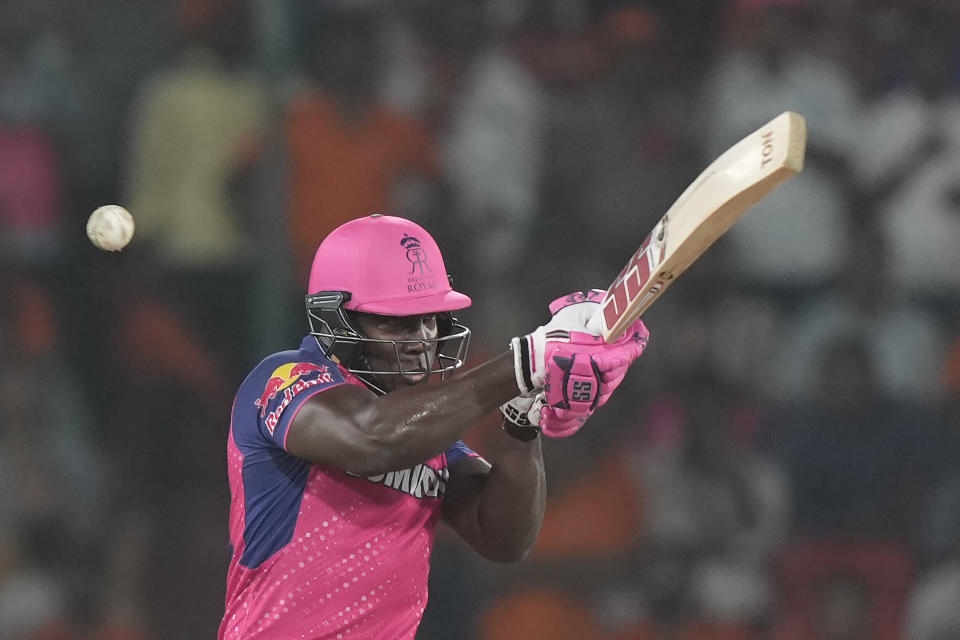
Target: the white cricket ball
pixel 110 227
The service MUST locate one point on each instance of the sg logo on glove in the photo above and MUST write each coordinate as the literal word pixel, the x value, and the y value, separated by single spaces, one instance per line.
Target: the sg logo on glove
pixel 580 384
pixel 582 391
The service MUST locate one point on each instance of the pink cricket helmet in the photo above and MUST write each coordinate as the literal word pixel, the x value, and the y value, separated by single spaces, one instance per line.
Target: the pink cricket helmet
pixel 389 265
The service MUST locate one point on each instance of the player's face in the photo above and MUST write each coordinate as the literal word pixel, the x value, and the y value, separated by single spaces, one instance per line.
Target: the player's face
pixel 414 358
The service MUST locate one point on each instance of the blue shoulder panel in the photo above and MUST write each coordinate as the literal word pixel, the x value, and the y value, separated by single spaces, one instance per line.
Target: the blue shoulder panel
pixel 274 480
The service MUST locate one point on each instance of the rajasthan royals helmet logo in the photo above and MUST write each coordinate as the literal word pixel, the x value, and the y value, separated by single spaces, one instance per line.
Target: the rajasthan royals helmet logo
pixel 415 254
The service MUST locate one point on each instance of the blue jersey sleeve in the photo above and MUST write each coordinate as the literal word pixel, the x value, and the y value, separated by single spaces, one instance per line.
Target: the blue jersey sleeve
pixel 458 451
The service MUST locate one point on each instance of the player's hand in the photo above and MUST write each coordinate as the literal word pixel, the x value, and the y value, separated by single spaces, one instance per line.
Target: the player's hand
pixel 577 370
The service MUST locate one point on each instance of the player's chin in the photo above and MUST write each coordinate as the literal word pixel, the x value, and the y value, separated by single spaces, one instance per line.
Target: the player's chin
pixel 394 381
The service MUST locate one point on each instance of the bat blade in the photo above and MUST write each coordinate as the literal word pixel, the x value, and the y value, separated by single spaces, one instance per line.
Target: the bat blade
pixel 742 176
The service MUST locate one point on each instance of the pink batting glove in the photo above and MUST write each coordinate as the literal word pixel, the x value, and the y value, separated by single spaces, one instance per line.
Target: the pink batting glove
pixel 583 374
pixel 571 364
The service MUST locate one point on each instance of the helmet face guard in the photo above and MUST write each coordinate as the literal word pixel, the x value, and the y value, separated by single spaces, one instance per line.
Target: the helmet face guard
pixel 338 337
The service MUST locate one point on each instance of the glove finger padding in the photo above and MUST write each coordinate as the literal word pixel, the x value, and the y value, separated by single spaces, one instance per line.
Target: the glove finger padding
pixel 594 296
pixel 560 423
pixel 621 353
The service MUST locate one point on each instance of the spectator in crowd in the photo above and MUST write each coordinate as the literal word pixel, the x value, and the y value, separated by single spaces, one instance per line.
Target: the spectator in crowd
pixel 53 491
pixel 857 459
pixel 932 612
pixel 793 241
pixel 194 134
pixel 108 50
pixel 906 163
pixel 939 533
pixel 165 386
pixel 836 589
pixel 842 611
pixel 32 87
pixel 493 153
pixel 909 114
pixel 932 609
pixel 30 214
pixel 348 150
pixel 713 501
pixel 614 142
pixel 906 341
pixel 31 327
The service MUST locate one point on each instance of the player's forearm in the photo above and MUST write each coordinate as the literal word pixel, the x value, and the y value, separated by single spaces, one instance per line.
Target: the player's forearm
pixel 511 504
pixel 413 424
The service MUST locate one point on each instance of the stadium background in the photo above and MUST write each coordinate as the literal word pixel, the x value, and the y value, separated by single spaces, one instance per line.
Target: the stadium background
pixel 781 464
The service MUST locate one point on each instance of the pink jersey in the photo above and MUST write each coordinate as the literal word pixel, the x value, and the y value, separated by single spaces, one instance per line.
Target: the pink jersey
pixel 319 552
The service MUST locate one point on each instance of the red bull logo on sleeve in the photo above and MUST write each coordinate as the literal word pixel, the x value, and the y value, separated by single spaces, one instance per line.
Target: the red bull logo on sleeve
pixel 286 382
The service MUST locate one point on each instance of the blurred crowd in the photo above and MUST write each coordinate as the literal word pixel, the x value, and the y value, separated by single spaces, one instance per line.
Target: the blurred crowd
pixel 783 461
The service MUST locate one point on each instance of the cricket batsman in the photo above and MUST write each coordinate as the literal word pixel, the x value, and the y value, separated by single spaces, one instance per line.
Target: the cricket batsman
pixel 343 454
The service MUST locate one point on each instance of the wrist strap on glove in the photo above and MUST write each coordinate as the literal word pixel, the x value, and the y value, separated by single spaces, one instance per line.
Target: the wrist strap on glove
pixel 521 417
pixel 524 363
pixel 525 434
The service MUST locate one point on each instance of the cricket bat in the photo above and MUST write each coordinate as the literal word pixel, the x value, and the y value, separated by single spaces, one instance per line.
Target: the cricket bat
pixel 742 176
